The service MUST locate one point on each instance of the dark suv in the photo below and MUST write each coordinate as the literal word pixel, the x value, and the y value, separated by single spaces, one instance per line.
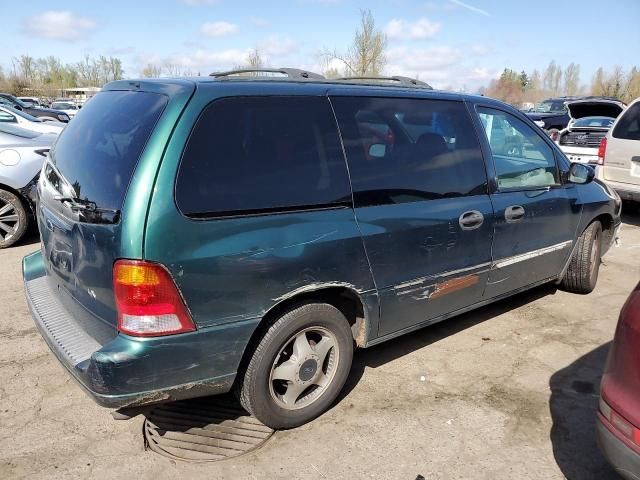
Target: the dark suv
pixel 44 114
pixel 249 232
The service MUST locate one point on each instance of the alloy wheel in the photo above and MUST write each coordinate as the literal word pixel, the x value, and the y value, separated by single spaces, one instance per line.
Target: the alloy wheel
pixel 303 368
pixel 9 220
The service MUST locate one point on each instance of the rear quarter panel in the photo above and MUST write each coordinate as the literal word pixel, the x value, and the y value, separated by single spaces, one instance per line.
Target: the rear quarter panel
pixel 235 269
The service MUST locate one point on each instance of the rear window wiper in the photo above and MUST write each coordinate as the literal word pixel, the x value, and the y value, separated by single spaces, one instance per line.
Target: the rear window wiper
pixel 76 204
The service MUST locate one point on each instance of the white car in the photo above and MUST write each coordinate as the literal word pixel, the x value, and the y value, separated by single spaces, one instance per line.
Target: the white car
pixel 590 120
pixel 67 107
pixel 619 155
pixel 28 122
pixel 31 101
pixel 22 153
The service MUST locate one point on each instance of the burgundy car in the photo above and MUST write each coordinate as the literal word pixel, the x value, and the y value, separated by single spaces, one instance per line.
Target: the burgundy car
pixel 618 423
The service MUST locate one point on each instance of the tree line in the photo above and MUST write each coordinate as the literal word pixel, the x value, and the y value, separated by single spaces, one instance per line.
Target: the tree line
pixel 364 56
pixel 518 88
pixel 46 76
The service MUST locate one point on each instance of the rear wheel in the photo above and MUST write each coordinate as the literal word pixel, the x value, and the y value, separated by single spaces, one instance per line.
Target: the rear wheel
pixel 582 274
pixel 299 367
pixel 13 219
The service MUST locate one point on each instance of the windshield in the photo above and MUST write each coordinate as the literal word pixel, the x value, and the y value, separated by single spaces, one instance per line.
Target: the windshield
pixel 551 106
pixel 594 122
pixel 98 151
pixel 13 100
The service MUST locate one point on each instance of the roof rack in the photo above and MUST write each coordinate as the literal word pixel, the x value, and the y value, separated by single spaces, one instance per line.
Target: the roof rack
pixel 395 80
pixel 290 73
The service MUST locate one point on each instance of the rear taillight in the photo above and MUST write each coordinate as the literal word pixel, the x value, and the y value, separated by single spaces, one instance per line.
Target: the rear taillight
pixel 620 424
pixel 148 301
pixel 602 149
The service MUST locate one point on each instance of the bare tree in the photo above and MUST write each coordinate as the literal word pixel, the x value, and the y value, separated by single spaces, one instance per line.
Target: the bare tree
pixel 254 59
pixel 24 67
pixel 549 75
pixel 366 56
pixel 572 79
pixel 151 71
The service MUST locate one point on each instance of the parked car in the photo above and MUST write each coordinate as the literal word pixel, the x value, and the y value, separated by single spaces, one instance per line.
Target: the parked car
pixel 619 154
pixel 551 114
pixel 296 243
pixel 30 101
pixel 44 114
pixel 28 122
pixel 22 153
pixel 590 120
pixel 618 421
pixel 527 106
pixel 67 107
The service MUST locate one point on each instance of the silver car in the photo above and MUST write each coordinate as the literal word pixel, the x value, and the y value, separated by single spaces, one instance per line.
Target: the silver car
pixel 22 153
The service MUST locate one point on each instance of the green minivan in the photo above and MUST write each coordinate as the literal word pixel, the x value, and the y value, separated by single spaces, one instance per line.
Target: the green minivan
pixel 248 232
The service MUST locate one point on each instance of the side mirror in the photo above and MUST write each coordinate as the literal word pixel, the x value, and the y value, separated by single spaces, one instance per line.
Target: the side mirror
pixel 377 150
pixel 581 174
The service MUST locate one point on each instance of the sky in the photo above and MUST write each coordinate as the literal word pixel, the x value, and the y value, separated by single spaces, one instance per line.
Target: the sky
pixel 448 43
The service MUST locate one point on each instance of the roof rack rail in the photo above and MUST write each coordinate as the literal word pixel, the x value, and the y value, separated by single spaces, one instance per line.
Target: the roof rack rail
pixel 394 80
pixel 291 73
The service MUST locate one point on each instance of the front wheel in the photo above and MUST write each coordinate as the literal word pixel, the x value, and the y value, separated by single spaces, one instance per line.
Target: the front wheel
pixel 13 219
pixel 582 274
pixel 299 367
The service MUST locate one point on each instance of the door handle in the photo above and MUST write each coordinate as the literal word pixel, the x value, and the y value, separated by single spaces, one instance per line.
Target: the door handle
pixel 471 220
pixel 514 213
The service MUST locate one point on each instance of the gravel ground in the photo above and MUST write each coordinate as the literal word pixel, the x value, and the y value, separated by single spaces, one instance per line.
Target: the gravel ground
pixel 508 391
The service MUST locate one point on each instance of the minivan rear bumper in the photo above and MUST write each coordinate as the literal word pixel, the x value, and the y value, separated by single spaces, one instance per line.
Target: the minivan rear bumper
pixel 129 371
pixel 626 191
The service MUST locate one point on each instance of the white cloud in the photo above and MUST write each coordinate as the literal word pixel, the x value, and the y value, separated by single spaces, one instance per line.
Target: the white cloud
pixel 421 29
pixel 479 49
pixel 218 29
pixel 406 60
pixel 199 3
pixel 471 8
pixel 259 21
pixel 277 46
pixel 59 25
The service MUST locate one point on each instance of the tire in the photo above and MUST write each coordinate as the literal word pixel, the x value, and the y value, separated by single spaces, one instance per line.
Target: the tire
pixel 282 345
pixel 13 219
pixel 582 274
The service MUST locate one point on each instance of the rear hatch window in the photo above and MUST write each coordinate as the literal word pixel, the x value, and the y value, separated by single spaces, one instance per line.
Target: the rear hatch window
pixel 98 151
pixel 628 127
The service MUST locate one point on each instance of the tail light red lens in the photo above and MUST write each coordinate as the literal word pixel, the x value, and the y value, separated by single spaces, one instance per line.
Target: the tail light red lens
pixel 148 300
pixel 602 150
pixel 619 423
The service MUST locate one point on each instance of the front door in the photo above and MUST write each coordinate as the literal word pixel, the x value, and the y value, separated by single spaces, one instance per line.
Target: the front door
pixel 535 215
pixel 420 192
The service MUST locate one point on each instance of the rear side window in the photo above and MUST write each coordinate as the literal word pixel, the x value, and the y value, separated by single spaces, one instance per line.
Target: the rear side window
pixel 259 154
pixel 409 150
pixel 98 151
pixel 628 127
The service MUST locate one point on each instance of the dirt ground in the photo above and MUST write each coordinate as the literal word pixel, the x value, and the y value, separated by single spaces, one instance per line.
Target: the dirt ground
pixel 505 392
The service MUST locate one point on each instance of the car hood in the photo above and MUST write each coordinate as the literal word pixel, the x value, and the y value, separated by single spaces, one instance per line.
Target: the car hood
pixel 594 108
